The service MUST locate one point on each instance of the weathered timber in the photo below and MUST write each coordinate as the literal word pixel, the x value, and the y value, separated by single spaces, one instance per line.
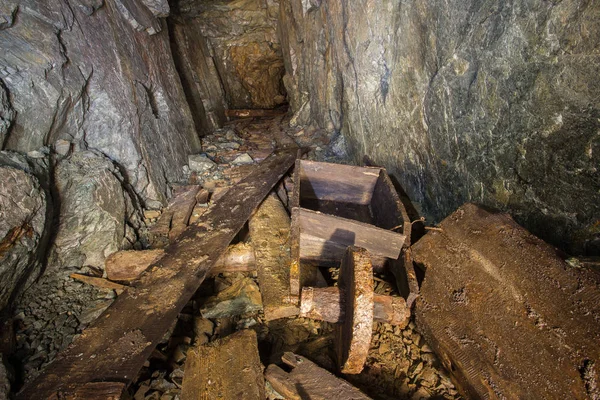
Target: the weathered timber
pixel 335 182
pixel 174 219
pixel 98 391
pixel 321 239
pixel 353 335
pixel 228 368
pixel 117 344
pixel 254 113
pixel 507 317
pixel 98 282
pixel 269 234
pixel 127 265
pixel 328 304
pixel 309 381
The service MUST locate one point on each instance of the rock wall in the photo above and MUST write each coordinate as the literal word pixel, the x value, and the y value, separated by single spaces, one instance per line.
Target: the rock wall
pixel 491 102
pixel 97 215
pixel 25 212
pixel 98 73
pixel 201 81
pixel 241 37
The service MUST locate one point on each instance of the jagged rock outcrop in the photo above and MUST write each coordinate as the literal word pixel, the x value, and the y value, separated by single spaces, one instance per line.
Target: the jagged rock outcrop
pixel 97 215
pixel 98 73
pixel 241 37
pixel 24 222
pixel 493 102
pixel 7 114
pixel 199 75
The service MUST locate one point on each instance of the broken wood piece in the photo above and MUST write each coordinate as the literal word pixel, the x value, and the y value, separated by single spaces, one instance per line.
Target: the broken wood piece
pixel 137 320
pixel 228 368
pixel 254 113
pixel 174 219
pixel 328 304
pixel 99 282
pixel 353 335
pixel 307 380
pixel 269 233
pixel 127 265
pixel 506 315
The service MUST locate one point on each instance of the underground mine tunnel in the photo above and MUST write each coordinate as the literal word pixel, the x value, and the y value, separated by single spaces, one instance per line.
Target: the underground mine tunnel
pixel 299 199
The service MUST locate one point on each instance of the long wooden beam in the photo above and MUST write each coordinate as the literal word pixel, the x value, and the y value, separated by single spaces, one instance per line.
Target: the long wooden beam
pixel 115 347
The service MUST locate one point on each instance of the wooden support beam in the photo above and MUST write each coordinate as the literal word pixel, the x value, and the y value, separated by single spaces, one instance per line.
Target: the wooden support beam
pixel 270 236
pixel 328 304
pixel 115 346
pixel 505 314
pixel 99 282
pixel 309 381
pixel 228 368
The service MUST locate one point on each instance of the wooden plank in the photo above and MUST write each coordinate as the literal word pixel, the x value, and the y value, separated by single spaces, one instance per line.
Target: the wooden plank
pixel 117 344
pixel 128 265
pixel 228 368
pixel 328 304
pixel 98 282
pixel 307 380
pixel 353 335
pixel 321 240
pixel 507 316
pixel 337 182
pixel 270 236
pixel 347 232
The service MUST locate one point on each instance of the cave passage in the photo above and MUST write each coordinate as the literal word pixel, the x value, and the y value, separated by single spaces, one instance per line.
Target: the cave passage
pixel 462 138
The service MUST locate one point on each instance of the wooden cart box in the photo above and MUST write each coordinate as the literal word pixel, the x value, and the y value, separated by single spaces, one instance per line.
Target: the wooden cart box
pixel 335 206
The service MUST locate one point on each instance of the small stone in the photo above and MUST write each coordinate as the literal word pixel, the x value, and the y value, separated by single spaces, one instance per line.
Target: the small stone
pixel 151 214
pixel 428 377
pixel 426 349
pixel 384 348
pixel 230 135
pixel 415 369
pixel 201 339
pixel 62 147
pixel 240 298
pixel 230 145
pixel 35 154
pixel 141 392
pixel 203 326
pixel 243 159
pixel 422 393
pixel 201 163
pixel 180 354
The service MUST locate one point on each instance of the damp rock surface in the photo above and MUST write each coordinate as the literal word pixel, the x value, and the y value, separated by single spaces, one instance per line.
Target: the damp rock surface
pixel 23 204
pixel 495 103
pixel 94 211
